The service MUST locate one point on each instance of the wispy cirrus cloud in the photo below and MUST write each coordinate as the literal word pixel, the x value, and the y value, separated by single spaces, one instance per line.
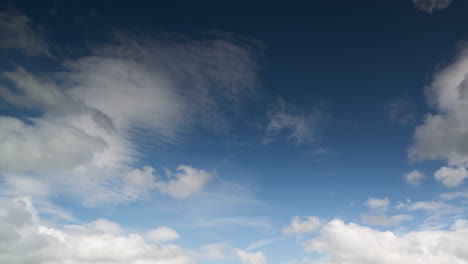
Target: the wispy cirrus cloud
pixel 18 32
pixel 88 118
pixel 430 6
pixel 299 126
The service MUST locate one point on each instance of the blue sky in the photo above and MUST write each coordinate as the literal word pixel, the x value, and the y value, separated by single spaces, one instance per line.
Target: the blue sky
pixel 324 133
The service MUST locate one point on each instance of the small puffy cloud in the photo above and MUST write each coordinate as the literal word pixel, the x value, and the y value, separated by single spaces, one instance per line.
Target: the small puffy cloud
pixel 356 244
pixel 383 220
pixel 185 182
pixel 431 5
pixel 181 184
pixel 18 32
pixel 250 257
pixel 25 239
pixel 451 177
pixel 303 225
pixel 299 126
pixel 414 177
pixel 375 203
pixel 162 234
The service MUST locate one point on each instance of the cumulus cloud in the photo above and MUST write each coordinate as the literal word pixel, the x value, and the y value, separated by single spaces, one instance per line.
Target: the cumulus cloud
pixel 181 184
pixel 162 234
pixel 451 177
pixel 18 32
pixel 303 225
pixel 26 240
pixel 431 5
pixel 353 244
pixel 414 177
pixel 213 251
pixel 82 124
pixel 250 257
pixel 443 134
pixel 184 183
pixel 375 203
pixel 299 126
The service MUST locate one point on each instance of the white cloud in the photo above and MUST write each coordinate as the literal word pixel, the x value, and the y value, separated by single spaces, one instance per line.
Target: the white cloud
pixel 18 32
pixel 383 220
pixel 263 242
pixel 184 183
pixel 250 257
pixel 162 234
pixel 213 251
pixel 44 145
pixel 18 185
pixel 88 119
pixel 431 5
pixel 414 177
pixel 25 240
pixel 443 135
pixel 454 195
pixel 355 244
pixel 375 203
pixel 303 225
pixel 451 177
pixel 427 206
pixel 299 126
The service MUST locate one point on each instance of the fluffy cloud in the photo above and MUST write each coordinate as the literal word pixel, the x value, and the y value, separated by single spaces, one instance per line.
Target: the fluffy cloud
pixel 162 234
pixel 431 5
pixel 306 225
pixel 44 145
pixel 375 203
pixel 85 121
pixel 299 126
pixel 25 240
pixel 355 244
pixel 414 177
pixel 213 251
pixel 185 182
pixel 451 177
pixel 17 32
pixel 250 257
pixel 443 135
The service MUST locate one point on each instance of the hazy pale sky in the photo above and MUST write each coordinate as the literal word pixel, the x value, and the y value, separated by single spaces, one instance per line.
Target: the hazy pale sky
pixel 142 132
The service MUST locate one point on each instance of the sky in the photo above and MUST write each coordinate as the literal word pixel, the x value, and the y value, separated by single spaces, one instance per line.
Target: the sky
pixel 319 132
